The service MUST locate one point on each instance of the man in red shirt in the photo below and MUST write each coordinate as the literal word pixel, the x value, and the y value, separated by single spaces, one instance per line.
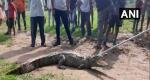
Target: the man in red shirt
pixel 11 16
pixel 21 7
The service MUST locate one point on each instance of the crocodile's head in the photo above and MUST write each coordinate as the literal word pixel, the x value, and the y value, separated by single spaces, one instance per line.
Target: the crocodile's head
pixel 94 62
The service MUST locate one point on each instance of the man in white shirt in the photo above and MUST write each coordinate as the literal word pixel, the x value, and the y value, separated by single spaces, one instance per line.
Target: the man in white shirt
pixel 37 19
pixel 6 13
pixel 60 10
pixel 50 16
pixel 85 9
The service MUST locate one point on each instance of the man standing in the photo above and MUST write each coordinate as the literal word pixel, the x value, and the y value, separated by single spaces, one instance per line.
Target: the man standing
pixel 103 8
pixel 146 8
pixel 139 4
pixel 11 17
pixel 60 10
pixel 115 22
pixel 50 16
pixel 37 19
pixel 6 12
pixel 21 7
pixel 73 15
pixel 85 9
pixel 148 13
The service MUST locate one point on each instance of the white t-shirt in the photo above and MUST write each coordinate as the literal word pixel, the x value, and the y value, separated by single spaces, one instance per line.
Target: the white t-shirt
pixel 36 8
pixel 49 4
pixel 6 5
pixel 60 4
pixel 85 6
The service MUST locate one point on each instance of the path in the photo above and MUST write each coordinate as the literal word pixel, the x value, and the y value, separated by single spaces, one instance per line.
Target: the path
pixel 129 61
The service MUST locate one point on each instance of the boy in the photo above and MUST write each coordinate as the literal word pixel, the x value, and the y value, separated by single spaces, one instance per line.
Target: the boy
pixel 50 16
pixel 37 19
pixel 11 17
pixel 85 9
pixel 5 3
pixel 21 7
pixel 60 11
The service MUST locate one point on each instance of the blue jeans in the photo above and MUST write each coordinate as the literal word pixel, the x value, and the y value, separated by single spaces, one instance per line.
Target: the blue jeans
pixel 85 20
pixel 50 16
pixel 24 19
pixel 73 19
pixel 103 21
pixel 35 22
pixel 62 16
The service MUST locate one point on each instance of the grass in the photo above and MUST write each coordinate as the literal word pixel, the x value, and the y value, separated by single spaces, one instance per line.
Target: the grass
pixel 4 40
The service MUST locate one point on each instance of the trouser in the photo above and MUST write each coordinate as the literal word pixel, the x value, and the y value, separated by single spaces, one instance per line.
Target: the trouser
pixel 11 25
pixel 73 19
pixel 115 23
pixel 103 21
pixel 50 16
pixel 62 16
pixel 135 25
pixel 6 12
pixel 148 19
pixel 37 21
pixel 24 19
pixel 85 19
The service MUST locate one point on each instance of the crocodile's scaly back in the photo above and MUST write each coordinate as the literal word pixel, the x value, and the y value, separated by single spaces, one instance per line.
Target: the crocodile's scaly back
pixel 71 59
pixel 35 63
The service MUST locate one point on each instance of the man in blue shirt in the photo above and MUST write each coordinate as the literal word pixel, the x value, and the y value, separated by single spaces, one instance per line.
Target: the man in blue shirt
pixel 115 22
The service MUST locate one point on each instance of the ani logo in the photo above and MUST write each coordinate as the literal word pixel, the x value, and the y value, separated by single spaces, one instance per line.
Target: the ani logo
pixel 129 13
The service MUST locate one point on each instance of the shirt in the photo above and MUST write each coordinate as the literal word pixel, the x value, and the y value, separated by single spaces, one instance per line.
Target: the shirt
pixel 60 4
pixel 20 4
pixel 102 4
pixel 11 10
pixel 49 4
pixel 139 4
pixel 116 5
pixel 36 8
pixel 6 5
pixel 148 7
pixel 85 6
pixel 73 4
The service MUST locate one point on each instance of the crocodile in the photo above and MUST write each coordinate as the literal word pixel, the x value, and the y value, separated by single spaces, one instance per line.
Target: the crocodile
pixel 62 59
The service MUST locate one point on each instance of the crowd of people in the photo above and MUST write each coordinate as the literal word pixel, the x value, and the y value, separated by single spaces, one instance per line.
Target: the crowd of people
pixel 70 14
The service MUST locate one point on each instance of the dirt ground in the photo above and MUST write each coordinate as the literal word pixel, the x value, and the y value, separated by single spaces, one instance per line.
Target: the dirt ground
pixel 127 62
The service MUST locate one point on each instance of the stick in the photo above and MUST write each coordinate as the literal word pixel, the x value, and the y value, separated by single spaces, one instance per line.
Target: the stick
pixel 101 54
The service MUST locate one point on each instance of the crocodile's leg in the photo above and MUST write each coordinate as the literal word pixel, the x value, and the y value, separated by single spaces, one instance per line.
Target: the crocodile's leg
pixel 61 61
pixel 81 66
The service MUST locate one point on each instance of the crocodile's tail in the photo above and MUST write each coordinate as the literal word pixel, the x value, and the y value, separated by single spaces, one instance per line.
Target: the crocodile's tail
pixel 25 68
pixel 31 65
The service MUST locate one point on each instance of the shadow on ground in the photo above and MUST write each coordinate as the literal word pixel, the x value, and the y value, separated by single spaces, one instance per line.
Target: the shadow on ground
pixel 99 74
